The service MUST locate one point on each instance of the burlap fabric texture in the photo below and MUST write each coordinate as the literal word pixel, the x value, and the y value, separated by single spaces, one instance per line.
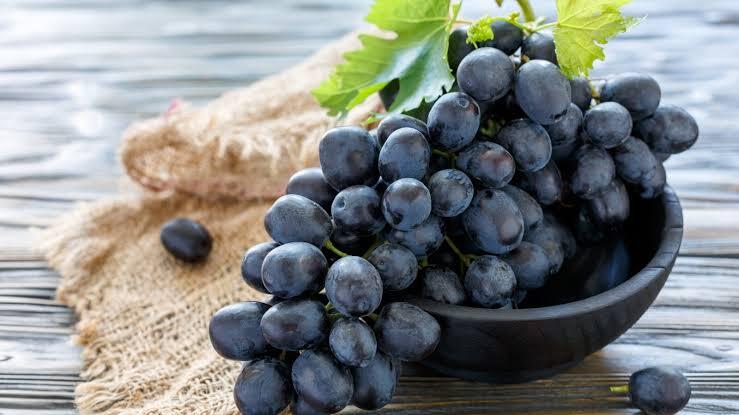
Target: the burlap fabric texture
pixel 143 315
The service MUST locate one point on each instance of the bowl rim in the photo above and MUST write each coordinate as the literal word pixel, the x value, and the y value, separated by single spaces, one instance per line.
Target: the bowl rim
pixel 661 262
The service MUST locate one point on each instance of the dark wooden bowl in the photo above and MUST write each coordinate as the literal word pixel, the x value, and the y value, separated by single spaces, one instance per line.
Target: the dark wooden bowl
pixel 510 346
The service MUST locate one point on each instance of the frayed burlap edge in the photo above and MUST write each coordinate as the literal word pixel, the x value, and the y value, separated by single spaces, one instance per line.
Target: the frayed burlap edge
pixel 245 144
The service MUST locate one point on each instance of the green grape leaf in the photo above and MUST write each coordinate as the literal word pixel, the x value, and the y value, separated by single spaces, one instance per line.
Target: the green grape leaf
pixel 582 28
pixel 480 31
pixel 416 56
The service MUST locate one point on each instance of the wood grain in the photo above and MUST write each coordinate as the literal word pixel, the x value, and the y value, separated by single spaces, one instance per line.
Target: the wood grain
pixel 67 91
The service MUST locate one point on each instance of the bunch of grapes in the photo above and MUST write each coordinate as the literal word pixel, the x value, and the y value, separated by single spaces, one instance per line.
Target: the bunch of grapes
pixel 475 200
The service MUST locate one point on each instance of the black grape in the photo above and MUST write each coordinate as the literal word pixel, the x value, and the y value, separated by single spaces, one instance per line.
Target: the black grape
pixel 453 121
pixel 607 124
pixel 375 140
pixel 563 234
pixel 406 332
pixel 654 185
pixel 547 236
pixel 451 192
pixel 294 218
pixel 295 324
pixel 528 143
pixel 423 239
pixel 406 203
pixel 186 240
pixel 300 407
pixel 610 208
pixel 489 282
pixel 582 93
pixel 396 264
pixel 527 205
pixel 234 331
pixel 493 222
pixel 670 130
pixel 251 265
pixel 405 154
pixel 487 162
pixel 311 184
pixel 442 285
pixel 321 381
pixel 506 37
pixel 530 263
pixel 659 390
pixel 458 47
pixel 348 157
pixel 263 387
pixel 374 385
pixel 594 171
pixel 353 286
pixel 352 342
pixel 565 133
pixel 485 74
pixel 544 185
pixel 293 269
pixel 394 122
pixel 661 156
pixel 542 92
pixel 638 92
pixel 539 45
pixel 356 210
pixel 634 162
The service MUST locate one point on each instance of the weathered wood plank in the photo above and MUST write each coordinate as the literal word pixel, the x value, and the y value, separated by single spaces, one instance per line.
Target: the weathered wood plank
pixel 66 93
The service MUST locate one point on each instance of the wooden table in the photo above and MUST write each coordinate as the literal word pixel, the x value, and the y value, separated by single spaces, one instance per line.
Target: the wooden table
pixel 73 74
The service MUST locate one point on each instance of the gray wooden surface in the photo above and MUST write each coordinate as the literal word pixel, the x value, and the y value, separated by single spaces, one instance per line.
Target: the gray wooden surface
pixel 74 73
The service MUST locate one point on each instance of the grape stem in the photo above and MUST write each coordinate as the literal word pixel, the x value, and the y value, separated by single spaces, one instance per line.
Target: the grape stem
pixel 330 246
pixel 620 389
pixel 527 10
pixel 423 263
pixel 498 19
pixel 546 26
pixel 465 259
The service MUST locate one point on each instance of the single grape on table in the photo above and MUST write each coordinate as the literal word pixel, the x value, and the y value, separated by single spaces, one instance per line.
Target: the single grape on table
pixel 186 240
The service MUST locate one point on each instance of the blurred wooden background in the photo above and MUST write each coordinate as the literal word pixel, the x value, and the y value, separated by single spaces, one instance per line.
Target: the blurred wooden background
pixel 74 73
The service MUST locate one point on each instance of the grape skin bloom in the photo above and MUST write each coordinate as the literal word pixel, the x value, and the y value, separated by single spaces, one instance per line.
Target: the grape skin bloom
pixel 451 192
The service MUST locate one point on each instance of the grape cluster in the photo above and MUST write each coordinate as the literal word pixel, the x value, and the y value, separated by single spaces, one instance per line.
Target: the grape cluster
pixel 475 200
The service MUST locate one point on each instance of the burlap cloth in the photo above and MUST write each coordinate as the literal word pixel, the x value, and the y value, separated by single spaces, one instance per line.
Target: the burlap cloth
pixel 143 316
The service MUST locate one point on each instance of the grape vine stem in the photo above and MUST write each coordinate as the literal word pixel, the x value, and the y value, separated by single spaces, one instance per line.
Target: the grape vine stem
pixel 330 246
pixel 465 259
pixel 620 389
pixel 527 10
